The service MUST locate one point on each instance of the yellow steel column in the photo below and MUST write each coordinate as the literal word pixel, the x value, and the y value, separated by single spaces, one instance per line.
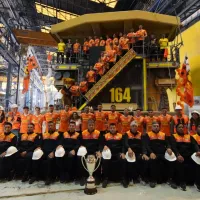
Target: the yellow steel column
pixel 144 84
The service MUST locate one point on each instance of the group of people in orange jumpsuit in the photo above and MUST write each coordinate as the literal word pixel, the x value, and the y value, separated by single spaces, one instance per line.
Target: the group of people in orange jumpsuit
pixel 149 149
pixel 115 47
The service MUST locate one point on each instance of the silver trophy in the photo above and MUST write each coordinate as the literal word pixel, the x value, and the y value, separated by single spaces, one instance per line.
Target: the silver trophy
pixel 90 161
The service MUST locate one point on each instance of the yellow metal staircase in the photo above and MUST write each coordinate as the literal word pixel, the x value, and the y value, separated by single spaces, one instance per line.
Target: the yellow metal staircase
pixel 109 76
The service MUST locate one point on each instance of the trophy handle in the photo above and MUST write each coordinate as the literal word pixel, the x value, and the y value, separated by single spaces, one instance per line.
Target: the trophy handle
pixel 98 160
pixel 83 157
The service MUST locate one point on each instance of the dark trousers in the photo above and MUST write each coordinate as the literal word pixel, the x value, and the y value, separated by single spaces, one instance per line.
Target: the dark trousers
pixel 161 56
pixel 106 167
pixel 9 164
pixel 62 57
pixel 50 163
pixel 27 162
pixel 160 169
pixel 184 171
pixel 124 51
pixel 67 165
pixel 68 57
pixel 90 85
pixel 139 47
pixel 85 54
pixel 81 172
pixel 75 58
pixel 136 169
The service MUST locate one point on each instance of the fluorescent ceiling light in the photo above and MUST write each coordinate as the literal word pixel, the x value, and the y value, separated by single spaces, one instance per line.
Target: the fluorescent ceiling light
pixel 109 3
pixel 53 12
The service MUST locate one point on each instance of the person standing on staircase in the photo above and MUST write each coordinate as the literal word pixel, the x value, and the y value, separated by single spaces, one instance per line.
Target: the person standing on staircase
pixel 102 42
pixel 90 78
pixel 124 44
pixel 85 48
pixel 96 41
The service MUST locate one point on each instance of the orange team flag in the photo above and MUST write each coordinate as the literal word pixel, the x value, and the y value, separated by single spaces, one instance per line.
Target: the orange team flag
pixel 166 53
pixel 32 63
pixel 49 57
pixel 26 80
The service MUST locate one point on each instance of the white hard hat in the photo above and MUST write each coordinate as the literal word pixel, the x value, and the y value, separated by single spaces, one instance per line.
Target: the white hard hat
pixel 82 151
pixel 14 106
pixel 10 151
pixel 195 112
pixel 60 152
pixel 134 123
pixel 195 158
pixel 106 154
pixel 170 158
pixel 37 154
pixel 130 159
pixel 1 108
pixel 178 107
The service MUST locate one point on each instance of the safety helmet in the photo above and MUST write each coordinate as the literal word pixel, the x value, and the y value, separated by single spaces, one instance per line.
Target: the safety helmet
pixel 106 154
pixel 10 151
pixel 60 152
pixel 195 158
pixel 1 108
pixel 14 106
pixel 82 151
pixel 130 159
pixel 170 158
pixel 37 154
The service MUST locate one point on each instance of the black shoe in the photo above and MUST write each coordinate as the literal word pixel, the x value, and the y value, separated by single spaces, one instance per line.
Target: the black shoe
pixel 76 182
pixel 105 183
pixel 67 178
pixel 25 177
pixel 152 184
pixel 11 176
pixel 48 181
pixel 136 181
pixel 32 180
pixel 124 183
pixel 198 187
pixel 172 184
pixel 97 181
pixel 183 186
pixel 82 181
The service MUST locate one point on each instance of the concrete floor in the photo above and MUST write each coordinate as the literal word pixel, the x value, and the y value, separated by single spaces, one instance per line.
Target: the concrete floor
pixel 16 190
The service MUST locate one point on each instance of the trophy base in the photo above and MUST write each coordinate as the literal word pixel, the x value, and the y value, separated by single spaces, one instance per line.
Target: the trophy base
pixel 90 191
pixel 90 187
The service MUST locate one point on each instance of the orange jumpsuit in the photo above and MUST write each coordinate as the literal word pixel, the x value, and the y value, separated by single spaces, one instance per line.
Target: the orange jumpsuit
pixel 99 68
pixel 113 118
pixel 14 119
pixel 25 120
pixel 96 42
pixel 100 120
pixel 165 124
pixel 140 122
pixel 38 121
pixel 148 121
pixel 2 127
pixel 85 117
pixel 76 47
pixel 51 117
pixel 102 43
pixel 90 76
pixel 125 123
pixel 64 120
